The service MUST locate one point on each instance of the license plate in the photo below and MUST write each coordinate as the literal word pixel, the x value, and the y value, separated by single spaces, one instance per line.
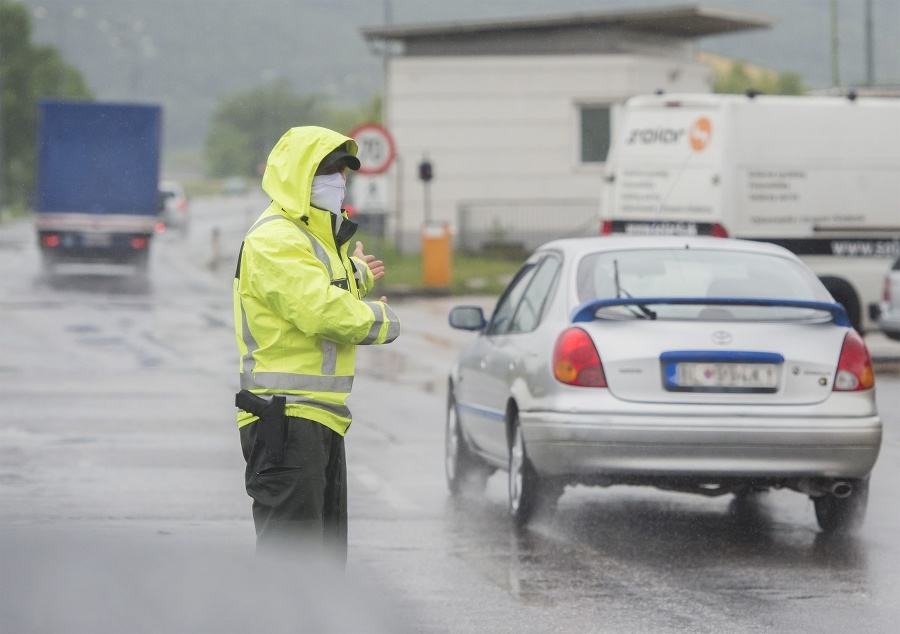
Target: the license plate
pixel 661 228
pixel 96 239
pixel 722 377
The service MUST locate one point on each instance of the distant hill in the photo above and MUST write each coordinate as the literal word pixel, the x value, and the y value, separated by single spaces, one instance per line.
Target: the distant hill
pixel 188 54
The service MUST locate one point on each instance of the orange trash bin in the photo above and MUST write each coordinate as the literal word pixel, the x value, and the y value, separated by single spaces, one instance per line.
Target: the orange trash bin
pixel 436 255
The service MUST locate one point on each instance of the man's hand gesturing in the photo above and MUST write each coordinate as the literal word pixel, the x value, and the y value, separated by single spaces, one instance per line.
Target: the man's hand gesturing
pixel 376 266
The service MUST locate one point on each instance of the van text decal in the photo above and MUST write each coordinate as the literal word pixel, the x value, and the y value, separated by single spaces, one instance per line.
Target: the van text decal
pixel 647 136
pixel 847 248
pixel 699 135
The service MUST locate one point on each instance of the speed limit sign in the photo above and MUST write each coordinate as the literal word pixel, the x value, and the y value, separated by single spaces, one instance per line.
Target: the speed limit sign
pixel 376 148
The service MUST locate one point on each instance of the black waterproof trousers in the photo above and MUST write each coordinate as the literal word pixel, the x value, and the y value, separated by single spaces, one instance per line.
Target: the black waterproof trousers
pixel 299 504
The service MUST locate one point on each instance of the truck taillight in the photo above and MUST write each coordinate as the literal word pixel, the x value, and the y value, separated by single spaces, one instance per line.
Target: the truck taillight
pixel 139 243
pixel 606 228
pixel 718 231
pixel 576 361
pixel 854 371
pixel 50 240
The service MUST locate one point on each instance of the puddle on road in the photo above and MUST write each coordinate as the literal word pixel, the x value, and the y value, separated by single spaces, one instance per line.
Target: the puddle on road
pixel 614 546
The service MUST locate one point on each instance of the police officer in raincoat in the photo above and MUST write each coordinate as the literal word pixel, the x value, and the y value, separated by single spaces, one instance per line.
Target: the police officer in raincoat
pixel 299 313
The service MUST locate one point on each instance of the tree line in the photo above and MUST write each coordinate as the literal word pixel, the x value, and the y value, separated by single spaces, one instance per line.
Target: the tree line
pixel 243 128
pixel 27 73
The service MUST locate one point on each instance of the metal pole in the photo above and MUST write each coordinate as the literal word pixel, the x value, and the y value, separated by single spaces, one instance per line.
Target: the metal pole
pixel 385 63
pixel 398 203
pixel 870 46
pixel 398 165
pixel 835 67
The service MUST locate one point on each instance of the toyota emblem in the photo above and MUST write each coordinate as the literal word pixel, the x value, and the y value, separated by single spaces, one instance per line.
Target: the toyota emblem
pixel 721 337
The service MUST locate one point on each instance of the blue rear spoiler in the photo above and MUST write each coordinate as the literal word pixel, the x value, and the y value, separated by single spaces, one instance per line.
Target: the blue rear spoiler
pixel 586 311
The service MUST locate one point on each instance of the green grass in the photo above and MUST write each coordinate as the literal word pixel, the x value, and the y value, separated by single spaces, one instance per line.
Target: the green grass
pixel 14 211
pixel 469 274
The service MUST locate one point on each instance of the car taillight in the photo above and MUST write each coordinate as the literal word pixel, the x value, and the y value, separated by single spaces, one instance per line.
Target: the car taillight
pixel 718 231
pixel 606 228
pixel 182 204
pixel 854 371
pixel 575 360
pixel 160 227
pixel 886 291
pixel 139 243
pixel 51 240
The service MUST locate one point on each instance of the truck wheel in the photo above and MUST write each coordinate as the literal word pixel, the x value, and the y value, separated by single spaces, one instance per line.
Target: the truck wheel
pixel 844 295
pixel 48 263
pixel 141 262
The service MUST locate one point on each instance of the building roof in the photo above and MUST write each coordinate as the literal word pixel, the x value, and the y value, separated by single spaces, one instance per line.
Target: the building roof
pixel 688 22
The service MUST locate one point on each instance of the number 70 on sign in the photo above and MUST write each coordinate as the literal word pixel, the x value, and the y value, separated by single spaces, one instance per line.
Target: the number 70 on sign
pixel 376 148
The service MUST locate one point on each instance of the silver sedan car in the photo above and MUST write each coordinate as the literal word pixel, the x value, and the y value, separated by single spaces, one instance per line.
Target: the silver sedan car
pixel 702 365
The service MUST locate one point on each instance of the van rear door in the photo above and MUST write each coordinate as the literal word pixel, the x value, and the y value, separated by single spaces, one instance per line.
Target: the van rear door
pixel 665 171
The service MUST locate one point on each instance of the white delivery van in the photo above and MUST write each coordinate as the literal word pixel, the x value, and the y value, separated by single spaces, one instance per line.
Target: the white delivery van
pixel 818 175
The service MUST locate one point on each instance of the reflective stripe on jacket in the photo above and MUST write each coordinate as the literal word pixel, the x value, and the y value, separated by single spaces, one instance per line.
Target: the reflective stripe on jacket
pixel 298 307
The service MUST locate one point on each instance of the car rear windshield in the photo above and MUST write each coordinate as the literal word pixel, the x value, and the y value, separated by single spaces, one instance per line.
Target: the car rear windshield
pixel 697 273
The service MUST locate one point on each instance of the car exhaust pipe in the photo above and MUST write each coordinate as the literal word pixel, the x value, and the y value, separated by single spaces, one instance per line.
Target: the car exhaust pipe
pixel 841 489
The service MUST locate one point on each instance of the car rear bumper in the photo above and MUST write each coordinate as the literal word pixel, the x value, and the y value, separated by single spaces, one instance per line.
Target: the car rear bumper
pixel 561 444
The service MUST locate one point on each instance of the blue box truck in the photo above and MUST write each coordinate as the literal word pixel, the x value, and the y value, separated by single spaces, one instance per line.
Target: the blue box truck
pixel 96 198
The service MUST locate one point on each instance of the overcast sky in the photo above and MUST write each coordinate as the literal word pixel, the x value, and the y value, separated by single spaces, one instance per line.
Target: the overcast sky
pixel 189 54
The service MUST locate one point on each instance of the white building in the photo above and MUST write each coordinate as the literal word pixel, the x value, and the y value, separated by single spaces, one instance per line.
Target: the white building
pixel 515 116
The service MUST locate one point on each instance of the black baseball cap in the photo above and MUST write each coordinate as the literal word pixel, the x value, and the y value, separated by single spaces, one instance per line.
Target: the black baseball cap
pixel 340 153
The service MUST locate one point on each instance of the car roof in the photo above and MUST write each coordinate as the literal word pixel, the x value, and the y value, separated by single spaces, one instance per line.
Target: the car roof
pixel 580 246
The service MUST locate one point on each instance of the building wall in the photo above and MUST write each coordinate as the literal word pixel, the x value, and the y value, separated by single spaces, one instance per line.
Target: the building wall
pixel 507 129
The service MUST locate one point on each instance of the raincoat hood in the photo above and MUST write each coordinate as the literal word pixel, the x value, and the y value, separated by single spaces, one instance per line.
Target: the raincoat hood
pixel 293 162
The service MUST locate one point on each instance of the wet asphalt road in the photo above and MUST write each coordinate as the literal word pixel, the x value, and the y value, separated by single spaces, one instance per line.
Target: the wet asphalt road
pixel 122 506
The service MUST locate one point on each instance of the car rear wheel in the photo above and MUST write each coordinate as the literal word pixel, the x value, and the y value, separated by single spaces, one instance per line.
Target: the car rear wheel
pixel 141 262
pixel 843 514
pixel 528 493
pixel 465 472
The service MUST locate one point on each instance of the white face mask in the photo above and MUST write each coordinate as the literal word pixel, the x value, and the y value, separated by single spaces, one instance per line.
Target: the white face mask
pixel 328 192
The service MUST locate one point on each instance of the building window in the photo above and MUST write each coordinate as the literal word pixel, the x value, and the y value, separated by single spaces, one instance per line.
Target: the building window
pixel 595 133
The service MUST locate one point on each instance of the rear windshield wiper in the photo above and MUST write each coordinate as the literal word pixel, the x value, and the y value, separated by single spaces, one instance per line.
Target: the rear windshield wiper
pixel 647 313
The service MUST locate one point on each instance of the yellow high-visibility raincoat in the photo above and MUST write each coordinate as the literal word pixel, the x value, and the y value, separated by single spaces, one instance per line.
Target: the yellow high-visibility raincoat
pixel 299 311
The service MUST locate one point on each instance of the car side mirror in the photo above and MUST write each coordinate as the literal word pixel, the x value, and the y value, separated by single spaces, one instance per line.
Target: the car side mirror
pixel 467 318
